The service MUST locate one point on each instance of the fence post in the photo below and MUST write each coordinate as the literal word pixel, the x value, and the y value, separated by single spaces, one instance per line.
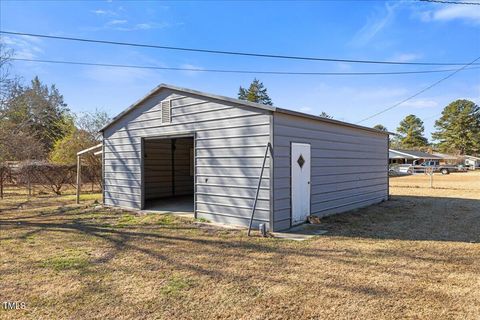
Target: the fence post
pixel 79 178
pixel 430 173
pixel 1 183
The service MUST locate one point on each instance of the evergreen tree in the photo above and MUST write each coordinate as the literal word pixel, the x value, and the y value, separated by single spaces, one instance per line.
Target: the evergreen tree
pixel 410 132
pixel 380 127
pixel 458 129
pixel 325 115
pixel 38 110
pixel 255 93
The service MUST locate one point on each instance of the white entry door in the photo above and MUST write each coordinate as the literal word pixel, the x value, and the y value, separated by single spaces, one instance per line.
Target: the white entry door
pixel 301 163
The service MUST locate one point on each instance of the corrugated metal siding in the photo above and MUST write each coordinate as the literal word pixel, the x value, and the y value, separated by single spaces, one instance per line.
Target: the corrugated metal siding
pixel 158 164
pixel 183 180
pixel 349 166
pixel 230 144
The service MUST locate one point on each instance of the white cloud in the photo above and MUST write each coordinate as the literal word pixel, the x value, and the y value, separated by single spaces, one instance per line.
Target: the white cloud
pixel 454 12
pixel 191 72
pixel 123 25
pixel 24 47
pixel 406 57
pixel 116 22
pixel 342 66
pixel 143 26
pixel 421 103
pixel 130 76
pixel 101 12
pixel 375 24
pixel 117 75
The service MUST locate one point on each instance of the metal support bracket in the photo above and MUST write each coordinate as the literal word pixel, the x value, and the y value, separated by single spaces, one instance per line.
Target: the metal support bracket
pixel 268 148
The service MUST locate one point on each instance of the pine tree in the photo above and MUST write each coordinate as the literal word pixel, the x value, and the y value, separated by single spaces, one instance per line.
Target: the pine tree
pixel 380 127
pixel 458 129
pixel 410 132
pixel 255 93
pixel 323 114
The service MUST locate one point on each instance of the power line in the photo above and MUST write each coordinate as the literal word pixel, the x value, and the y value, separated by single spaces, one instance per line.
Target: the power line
pixel 419 92
pixel 233 53
pixel 237 71
pixel 452 2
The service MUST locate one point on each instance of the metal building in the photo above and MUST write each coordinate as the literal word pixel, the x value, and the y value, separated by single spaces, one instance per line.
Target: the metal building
pixel 178 148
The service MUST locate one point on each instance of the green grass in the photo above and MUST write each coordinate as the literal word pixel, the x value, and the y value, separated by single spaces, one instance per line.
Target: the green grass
pixel 130 220
pixel 176 285
pixel 84 197
pixel 72 259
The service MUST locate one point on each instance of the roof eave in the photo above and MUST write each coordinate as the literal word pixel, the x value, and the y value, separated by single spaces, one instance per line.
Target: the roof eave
pixel 241 102
pixel 194 92
pixel 333 121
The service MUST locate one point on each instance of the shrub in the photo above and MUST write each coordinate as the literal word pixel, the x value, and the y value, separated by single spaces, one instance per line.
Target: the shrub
pixel 51 176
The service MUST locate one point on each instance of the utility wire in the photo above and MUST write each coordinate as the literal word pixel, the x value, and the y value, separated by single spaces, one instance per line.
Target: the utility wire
pixel 238 71
pixel 421 91
pixel 452 2
pixel 233 53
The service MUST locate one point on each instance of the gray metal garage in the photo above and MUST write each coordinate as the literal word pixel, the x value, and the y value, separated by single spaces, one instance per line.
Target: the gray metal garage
pixel 180 146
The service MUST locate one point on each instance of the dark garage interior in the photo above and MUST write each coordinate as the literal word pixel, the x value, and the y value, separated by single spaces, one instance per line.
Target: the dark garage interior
pixel 169 174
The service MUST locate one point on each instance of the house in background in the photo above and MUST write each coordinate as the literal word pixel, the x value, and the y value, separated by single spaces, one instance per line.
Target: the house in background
pixel 402 156
pixel 448 158
pixel 472 162
pixel 181 148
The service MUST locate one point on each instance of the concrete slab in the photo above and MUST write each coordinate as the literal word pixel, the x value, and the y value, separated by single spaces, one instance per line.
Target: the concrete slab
pixel 180 205
pixel 301 233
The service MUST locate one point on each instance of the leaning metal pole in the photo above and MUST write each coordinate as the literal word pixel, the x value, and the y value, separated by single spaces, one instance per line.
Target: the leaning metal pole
pixel 269 146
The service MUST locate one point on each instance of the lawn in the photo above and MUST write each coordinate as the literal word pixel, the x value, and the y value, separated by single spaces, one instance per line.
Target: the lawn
pixel 416 256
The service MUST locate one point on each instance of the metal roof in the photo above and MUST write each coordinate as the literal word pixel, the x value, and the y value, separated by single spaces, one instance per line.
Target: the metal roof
pixel 395 155
pixel 237 101
pixel 445 156
pixel 412 154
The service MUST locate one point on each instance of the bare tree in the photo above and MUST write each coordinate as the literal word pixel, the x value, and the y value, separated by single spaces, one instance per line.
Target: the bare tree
pixel 6 79
pixel 50 176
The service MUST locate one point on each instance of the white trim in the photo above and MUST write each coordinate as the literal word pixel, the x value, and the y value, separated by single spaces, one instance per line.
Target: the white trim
pixel 90 149
pixel 404 153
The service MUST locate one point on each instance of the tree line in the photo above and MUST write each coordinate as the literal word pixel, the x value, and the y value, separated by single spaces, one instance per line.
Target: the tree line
pixel 37 126
pixel 457 130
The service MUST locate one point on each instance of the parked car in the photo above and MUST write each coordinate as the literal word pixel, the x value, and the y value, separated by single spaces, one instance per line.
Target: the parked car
pixel 399 169
pixel 436 166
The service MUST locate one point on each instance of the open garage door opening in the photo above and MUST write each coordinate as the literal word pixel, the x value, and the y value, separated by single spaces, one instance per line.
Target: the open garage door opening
pixel 169 175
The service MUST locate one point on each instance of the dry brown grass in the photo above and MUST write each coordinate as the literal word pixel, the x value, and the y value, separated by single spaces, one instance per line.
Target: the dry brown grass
pixel 416 256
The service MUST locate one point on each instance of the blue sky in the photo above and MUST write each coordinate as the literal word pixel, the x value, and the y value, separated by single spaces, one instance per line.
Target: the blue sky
pixel 379 30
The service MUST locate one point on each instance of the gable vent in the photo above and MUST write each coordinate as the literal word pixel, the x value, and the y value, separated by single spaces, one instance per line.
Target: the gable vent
pixel 166 111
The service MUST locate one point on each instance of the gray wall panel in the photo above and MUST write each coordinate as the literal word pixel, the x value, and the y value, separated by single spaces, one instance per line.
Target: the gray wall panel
pixel 349 166
pixel 231 144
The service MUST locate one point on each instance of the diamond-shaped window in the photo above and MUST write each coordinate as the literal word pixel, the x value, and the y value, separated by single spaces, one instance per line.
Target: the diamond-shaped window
pixel 301 161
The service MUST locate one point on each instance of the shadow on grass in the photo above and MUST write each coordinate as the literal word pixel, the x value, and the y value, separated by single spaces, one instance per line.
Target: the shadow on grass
pixel 411 218
pixel 402 218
